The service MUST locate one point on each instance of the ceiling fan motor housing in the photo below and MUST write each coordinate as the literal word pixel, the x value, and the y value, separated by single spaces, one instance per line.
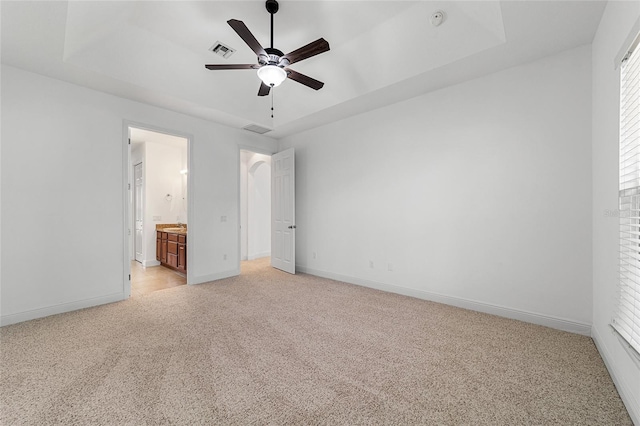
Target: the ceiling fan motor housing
pixel 274 58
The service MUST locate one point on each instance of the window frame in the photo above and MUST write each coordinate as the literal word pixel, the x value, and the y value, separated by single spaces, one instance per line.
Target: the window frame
pixel 626 318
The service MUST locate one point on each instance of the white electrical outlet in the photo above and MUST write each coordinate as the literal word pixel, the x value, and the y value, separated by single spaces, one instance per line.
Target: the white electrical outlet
pixel 371 264
pixel 223 218
pixel 157 218
pixel 224 257
pixel 314 255
pixel 390 266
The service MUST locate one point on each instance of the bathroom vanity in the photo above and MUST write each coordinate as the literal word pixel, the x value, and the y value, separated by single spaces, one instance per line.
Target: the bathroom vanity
pixel 171 247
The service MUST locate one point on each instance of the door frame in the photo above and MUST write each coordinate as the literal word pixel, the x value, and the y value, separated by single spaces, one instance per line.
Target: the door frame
pixel 142 209
pixel 238 159
pixel 127 202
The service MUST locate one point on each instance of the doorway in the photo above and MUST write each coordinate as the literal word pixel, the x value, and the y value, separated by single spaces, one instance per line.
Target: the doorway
pixel 158 168
pixel 255 205
pixel 138 196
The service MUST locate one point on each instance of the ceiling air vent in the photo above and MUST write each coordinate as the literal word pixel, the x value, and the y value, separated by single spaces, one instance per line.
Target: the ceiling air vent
pixel 256 129
pixel 222 50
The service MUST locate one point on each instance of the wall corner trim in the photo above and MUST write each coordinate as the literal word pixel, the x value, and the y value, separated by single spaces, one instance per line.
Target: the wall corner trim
pixel 501 311
pixel 632 405
pixel 60 308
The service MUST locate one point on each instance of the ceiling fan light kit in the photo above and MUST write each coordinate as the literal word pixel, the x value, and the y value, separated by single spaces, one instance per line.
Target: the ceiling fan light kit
pixel 272 63
pixel 272 75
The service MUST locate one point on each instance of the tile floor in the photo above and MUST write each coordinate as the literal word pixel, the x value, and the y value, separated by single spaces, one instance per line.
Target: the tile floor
pixel 154 278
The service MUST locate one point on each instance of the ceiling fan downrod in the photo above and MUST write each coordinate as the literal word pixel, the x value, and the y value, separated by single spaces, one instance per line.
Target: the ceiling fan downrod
pixel 272 7
pixel 273 55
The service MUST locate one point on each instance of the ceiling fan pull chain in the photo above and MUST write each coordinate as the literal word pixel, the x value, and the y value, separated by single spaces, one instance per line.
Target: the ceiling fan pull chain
pixel 272 101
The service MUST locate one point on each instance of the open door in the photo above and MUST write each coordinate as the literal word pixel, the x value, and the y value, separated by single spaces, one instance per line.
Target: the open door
pixel 283 205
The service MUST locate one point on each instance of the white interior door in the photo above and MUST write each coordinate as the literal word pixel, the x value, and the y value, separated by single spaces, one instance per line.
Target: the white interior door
pixel 283 203
pixel 137 200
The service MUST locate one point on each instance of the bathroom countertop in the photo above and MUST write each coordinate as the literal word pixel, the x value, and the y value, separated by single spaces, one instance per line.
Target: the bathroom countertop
pixel 173 228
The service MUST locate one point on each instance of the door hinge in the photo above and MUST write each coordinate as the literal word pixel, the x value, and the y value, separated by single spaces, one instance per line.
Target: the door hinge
pixel 129 185
pixel 129 277
pixel 129 141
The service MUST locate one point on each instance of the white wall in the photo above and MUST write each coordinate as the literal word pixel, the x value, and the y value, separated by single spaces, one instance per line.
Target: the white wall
pixel 255 205
pixel 476 195
pixel 62 145
pixel 161 178
pixel 616 24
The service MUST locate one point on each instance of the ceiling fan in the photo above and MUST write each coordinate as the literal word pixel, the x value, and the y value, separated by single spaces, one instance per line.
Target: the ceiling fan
pixel 272 63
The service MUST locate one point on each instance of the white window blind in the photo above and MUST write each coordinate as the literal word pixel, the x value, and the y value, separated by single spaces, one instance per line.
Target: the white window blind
pixel 627 317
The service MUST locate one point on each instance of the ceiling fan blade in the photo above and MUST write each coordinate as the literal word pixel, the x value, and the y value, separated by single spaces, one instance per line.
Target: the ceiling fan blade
pixel 312 49
pixel 303 79
pixel 264 90
pixel 244 33
pixel 232 67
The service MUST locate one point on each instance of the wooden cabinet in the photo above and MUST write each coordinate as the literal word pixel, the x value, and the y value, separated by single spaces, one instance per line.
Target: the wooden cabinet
pixel 163 247
pixel 171 250
pixel 172 253
pixel 182 253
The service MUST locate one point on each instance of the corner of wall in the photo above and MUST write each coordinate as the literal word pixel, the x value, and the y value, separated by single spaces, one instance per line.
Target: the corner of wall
pixel 620 380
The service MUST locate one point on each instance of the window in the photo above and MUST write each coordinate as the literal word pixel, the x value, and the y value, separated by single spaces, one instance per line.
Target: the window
pixel 627 317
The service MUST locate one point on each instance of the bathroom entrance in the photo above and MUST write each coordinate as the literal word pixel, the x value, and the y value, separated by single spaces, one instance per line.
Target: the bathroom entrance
pixel 159 173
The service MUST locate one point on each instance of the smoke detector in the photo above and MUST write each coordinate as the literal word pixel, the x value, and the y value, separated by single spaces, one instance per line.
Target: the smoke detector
pixel 437 18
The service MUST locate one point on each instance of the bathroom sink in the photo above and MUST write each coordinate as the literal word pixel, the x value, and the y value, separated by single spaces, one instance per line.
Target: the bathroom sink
pixel 184 230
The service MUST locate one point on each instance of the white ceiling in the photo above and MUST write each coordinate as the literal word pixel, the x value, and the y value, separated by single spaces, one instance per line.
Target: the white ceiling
pixel 381 51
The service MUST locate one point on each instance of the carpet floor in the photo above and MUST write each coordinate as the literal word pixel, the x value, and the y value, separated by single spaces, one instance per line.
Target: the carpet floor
pixel 267 347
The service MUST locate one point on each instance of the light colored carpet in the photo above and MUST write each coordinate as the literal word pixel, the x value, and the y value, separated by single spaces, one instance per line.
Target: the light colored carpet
pixel 270 348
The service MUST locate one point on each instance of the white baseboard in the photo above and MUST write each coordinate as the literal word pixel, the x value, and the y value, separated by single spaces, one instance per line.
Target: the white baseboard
pixel 147 263
pixel 502 311
pixel 213 277
pixel 259 255
pixel 60 309
pixel 631 403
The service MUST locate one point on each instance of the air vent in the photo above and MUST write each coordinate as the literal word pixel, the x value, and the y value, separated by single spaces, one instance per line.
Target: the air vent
pixel 256 129
pixel 222 50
